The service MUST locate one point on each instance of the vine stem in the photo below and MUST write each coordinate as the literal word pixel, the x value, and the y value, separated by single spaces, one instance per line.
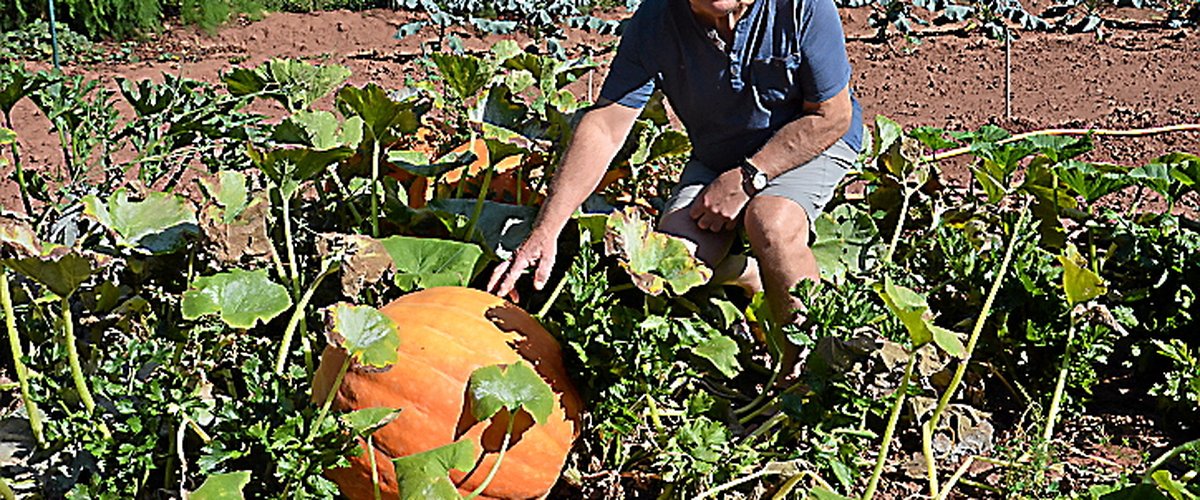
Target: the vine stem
pixel 14 343
pixel 298 316
pixel 18 169
pixel 893 418
pixel 958 474
pixel 972 341
pixel 512 417
pixel 375 188
pixel 374 467
pixel 1056 399
pixel 1137 132
pixel 553 297
pixel 333 389
pixel 1170 455
pixel 899 225
pixel 85 393
pixel 294 273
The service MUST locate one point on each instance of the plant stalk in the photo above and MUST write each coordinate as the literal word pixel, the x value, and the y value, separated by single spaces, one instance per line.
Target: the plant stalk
pixel 1170 455
pixel 1056 399
pixel 374 467
pixel 333 389
pixel 85 393
pixel 375 188
pixel 512 417
pixel 893 418
pixel 18 169
pixel 899 225
pixel 14 343
pixel 961 370
pixel 483 190
pixel 291 246
pixel 297 317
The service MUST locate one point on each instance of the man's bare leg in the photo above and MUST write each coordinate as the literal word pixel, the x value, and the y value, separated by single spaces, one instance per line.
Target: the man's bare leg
pixel 778 232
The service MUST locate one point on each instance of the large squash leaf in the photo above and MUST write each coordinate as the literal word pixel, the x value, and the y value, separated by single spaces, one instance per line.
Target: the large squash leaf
pixel 382 117
pixel 722 352
pixel 913 311
pixel 425 476
pixel 241 298
pixel 367 334
pixel 845 242
pixel 654 260
pixel 226 486
pixel 515 387
pixel 429 262
pixel 158 224
pixel 501 227
pixel 295 84
pixel 319 130
pixel 58 268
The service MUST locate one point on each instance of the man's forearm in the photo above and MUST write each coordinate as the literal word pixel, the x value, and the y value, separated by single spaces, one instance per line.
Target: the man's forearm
pixel 597 138
pixel 805 137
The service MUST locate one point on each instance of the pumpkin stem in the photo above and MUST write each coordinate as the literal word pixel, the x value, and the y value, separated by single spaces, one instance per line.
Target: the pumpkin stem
pixel 14 342
pixel 333 389
pixel 499 458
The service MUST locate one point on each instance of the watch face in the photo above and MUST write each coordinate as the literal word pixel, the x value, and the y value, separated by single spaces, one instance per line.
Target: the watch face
pixel 759 181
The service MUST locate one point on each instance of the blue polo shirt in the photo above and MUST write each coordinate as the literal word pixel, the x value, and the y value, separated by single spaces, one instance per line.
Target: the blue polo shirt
pixel 732 98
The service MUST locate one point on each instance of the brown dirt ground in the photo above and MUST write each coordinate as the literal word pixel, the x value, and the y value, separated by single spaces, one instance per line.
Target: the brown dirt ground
pixel 1128 79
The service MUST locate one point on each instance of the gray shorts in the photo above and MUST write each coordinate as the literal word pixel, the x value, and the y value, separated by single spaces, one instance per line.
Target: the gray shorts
pixel 810 185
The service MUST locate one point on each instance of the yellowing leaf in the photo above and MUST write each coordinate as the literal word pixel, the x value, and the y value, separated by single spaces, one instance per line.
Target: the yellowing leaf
pixel 1079 282
pixel 654 260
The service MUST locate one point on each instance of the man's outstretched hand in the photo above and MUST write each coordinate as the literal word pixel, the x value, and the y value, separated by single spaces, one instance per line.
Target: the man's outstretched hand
pixel 539 250
pixel 719 205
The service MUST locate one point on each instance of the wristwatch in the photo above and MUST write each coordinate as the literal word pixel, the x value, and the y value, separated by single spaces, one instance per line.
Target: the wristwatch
pixel 753 179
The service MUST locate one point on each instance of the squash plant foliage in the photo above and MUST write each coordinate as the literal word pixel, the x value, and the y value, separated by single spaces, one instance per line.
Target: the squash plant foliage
pixel 163 339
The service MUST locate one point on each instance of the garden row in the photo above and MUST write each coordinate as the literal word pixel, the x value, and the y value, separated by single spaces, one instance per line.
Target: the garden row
pixel 945 312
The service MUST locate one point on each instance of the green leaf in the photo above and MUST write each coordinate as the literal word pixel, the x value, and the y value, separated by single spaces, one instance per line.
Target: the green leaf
pixel 288 168
pixel 514 387
pixel 1089 181
pixel 319 130
pixel 61 271
pixel 949 341
pixel 230 193
pixel 425 476
pixel 910 307
pixel 226 486
pixel 368 420
pixel 1167 482
pixel 158 225
pixel 295 84
pixel 501 227
pixel 820 493
pixel 1060 148
pixel 886 133
pixel 429 262
pixel 7 136
pixel 846 237
pixel 654 260
pixel 383 118
pixel 464 75
pixel 669 143
pixel 241 298
pixel 729 312
pixel 722 352
pixel 1079 282
pixel 418 163
pixel 368 335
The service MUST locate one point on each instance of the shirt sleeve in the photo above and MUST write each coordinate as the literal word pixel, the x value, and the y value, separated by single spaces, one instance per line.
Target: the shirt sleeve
pixel 629 82
pixel 824 67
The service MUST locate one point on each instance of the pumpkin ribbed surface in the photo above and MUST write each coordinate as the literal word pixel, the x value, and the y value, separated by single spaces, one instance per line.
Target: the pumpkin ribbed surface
pixel 446 334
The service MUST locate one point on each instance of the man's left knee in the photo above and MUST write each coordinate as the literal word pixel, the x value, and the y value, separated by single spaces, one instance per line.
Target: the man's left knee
pixel 774 220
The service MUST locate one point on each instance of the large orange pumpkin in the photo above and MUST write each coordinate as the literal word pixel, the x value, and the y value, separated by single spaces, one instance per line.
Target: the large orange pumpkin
pixel 446 334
